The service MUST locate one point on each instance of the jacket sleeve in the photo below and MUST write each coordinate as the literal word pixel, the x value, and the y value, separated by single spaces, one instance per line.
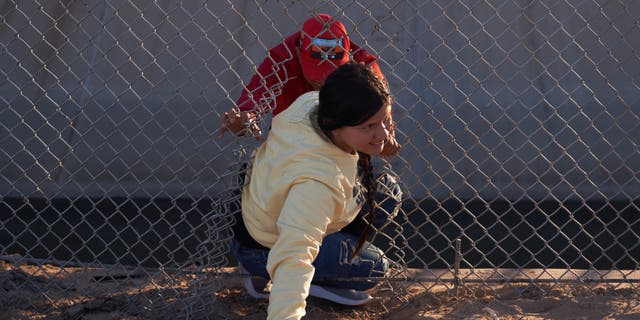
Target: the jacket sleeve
pixel 309 208
pixel 260 94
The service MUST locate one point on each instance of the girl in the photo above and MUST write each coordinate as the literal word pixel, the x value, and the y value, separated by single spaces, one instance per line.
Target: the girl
pixel 302 190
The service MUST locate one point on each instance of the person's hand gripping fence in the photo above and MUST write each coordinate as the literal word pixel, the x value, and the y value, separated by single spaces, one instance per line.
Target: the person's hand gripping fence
pixel 239 123
pixel 391 146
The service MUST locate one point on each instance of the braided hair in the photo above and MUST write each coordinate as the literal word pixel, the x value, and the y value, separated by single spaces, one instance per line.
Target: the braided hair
pixel 350 96
pixel 364 162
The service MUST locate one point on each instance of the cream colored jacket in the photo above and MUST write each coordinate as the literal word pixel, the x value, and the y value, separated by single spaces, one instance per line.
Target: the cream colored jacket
pixel 301 188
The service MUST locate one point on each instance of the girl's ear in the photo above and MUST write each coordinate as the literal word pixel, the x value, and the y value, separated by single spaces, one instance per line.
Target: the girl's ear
pixel 335 133
pixel 336 138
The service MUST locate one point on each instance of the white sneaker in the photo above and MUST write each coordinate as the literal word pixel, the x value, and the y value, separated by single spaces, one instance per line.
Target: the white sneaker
pixel 256 287
pixel 259 288
pixel 347 297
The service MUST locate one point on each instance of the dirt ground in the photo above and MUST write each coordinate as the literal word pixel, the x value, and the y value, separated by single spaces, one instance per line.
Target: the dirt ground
pixel 499 302
pixel 51 292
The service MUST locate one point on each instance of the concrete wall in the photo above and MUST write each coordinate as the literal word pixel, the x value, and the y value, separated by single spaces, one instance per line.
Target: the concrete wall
pixel 532 100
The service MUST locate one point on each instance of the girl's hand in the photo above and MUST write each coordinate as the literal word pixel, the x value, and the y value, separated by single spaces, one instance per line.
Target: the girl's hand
pixel 391 146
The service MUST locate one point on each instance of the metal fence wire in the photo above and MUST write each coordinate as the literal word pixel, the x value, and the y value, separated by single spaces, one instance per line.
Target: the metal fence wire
pixel 520 124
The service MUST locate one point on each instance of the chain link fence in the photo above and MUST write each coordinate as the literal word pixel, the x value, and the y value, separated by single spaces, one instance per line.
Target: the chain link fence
pixel 520 122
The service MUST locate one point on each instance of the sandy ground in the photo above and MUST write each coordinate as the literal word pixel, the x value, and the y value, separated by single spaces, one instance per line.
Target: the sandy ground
pixel 51 292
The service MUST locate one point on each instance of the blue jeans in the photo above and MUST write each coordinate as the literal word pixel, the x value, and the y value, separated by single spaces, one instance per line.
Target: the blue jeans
pixel 332 266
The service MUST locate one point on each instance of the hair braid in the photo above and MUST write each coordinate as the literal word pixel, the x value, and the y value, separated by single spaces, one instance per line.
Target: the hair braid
pixel 364 162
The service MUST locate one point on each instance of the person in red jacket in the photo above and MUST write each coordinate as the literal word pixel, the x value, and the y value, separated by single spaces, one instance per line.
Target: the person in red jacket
pixel 298 65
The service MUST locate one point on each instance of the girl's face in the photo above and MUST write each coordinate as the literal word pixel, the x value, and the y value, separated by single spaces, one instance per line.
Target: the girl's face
pixel 368 137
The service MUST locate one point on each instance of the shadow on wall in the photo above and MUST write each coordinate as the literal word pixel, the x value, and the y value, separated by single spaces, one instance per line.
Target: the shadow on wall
pixel 154 232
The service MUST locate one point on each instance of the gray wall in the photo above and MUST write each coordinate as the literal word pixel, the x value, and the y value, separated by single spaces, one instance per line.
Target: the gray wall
pixel 521 100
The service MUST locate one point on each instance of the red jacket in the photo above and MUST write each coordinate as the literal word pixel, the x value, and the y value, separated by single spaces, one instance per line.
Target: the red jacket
pixel 279 80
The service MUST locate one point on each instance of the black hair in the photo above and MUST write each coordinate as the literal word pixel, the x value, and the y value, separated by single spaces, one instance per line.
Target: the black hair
pixel 350 96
